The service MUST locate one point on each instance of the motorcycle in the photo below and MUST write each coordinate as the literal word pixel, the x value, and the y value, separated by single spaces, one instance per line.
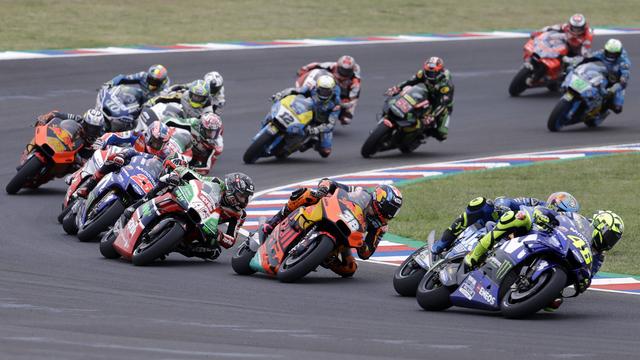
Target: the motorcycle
pixel 306 238
pixel 542 63
pixel 120 105
pixel 402 123
pixel 159 112
pixel 412 270
pixel 117 190
pixel 79 178
pixel 170 222
pixel 51 153
pixel 284 130
pixel 520 277
pixel 584 96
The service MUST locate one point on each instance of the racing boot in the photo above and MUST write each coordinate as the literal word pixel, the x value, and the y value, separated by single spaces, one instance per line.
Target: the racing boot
pixel 85 189
pixel 554 305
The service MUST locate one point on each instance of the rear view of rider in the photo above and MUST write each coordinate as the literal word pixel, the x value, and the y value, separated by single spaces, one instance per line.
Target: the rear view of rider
pixel 437 79
pixel 153 140
pixel 216 90
pixel 347 73
pixel 92 123
pixel 616 59
pixel 326 109
pixel 479 211
pixel 578 34
pixel 194 102
pixel 207 142
pixel 152 82
pixel 383 204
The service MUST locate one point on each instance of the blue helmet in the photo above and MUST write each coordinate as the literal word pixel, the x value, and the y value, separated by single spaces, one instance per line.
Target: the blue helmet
pixel 563 202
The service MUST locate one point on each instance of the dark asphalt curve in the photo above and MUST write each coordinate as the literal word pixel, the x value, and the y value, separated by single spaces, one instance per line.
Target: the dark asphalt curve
pixel 60 299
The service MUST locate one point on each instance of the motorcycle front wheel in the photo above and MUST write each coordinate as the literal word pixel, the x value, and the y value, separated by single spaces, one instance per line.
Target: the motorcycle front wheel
pixel 257 147
pixel 242 258
pixel 101 222
pixel 162 244
pixel 407 277
pixel 520 301
pixel 558 117
pixel 431 294
pixel 296 265
pixel 373 142
pixel 519 83
pixel 29 170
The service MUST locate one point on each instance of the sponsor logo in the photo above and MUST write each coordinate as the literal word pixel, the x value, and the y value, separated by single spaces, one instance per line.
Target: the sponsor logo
pixel 486 295
pixel 467 288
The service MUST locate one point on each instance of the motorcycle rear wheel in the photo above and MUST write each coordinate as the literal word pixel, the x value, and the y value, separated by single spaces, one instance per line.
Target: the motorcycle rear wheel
pixel 554 283
pixel 29 170
pixel 241 259
pixel 296 267
pixel 519 83
pixel 431 294
pixel 102 222
pixel 255 149
pixel 146 253
pixel 372 144
pixel 558 117
pixel 407 277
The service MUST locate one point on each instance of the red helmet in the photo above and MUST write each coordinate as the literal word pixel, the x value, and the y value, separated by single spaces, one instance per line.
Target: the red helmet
pixel 345 66
pixel 210 127
pixel 433 68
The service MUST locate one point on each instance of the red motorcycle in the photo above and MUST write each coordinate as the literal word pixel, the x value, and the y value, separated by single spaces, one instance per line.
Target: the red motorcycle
pixel 542 63
pixel 51 154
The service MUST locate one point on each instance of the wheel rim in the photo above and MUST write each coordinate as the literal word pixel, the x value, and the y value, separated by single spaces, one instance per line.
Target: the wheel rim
pixel 522 289
pixel 292 259
pixel 409 269
pixel 147 243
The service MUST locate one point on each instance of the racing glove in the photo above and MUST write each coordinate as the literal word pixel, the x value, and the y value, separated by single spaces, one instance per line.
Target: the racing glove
pixel 313 131
pixel 115 160
pixel 392 91
pixel 171 179
pixel 226 241
pixel 276 97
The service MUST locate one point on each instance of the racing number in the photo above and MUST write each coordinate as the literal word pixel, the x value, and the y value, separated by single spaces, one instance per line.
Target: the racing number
pixel 403 105
pixel 288 119
pixel 583 247
pixel 143 182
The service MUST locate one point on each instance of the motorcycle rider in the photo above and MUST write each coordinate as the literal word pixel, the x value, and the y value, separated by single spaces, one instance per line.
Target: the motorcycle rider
pixel 92 123
pixel 616 59
pixel 578 34
pixel 437 79
pixel 236 189
pixel 153 141
pixel 194 102
pixel 347 73
pixel 381 205
pixel 326 109
pixel 481 210
pixel 216 90
pixel 152 82
pixel 207 142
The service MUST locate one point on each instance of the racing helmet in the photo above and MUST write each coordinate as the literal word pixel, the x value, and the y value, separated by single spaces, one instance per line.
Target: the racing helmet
pixel 577 25
pixel 563 202
pixel 612 50
pixel 157 135
pixel 210 127
pixel 325 88
pixel 238 190
pixel 198 94
pixel 433 68
pixel 345 66
pixel 215 82
pixel 387 201
pixel 607 230
pixel 93 124
pixel 156 77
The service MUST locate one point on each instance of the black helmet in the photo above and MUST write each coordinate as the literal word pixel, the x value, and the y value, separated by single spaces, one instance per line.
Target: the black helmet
pixel 156 77
pixel 238 190
pixel 387 201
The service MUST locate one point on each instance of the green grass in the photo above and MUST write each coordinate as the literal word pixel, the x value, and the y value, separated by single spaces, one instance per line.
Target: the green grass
pixel 55 24
pixel 606 182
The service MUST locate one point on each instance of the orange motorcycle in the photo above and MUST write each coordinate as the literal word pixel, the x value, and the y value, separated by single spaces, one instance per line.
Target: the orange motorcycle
pixel 50 154
pixel 306 238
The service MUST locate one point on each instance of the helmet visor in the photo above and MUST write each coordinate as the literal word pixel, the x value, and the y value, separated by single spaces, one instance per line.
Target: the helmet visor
pixel 344 72
pixel 324 94
pixel 197 100
pixel 155 143
pixel 92 131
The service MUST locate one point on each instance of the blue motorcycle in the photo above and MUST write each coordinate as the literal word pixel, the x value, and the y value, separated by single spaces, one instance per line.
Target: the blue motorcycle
pixel 584 96
pixel 520 277
pixel 283 130
pixel 121 106
pixel 117 190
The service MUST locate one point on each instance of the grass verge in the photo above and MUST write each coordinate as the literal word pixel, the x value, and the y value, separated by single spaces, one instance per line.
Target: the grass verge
pixel 604 182
pixel 55 24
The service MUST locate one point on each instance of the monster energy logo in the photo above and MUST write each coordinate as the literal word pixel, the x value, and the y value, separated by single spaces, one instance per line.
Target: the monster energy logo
pixel 503 269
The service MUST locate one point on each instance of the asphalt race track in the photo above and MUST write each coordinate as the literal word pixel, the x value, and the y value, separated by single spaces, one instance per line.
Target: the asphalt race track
pixel 60 299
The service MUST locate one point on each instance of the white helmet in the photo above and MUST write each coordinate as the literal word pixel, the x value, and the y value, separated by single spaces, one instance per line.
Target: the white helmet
pixel 215 82
pixel 324 87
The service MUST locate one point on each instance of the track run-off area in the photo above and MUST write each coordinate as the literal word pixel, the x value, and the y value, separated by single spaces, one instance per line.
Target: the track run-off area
pixel 60 299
